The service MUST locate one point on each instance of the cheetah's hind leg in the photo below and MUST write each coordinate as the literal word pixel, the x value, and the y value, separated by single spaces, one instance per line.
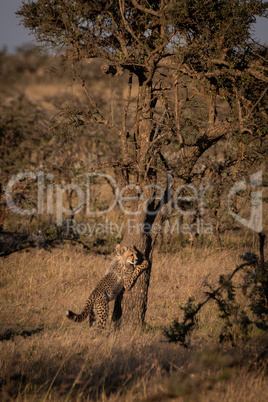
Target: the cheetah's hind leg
pixel 102 310
pixel 92 318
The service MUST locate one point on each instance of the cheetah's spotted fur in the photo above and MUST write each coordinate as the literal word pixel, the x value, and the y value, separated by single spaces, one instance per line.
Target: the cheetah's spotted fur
pixel 121 274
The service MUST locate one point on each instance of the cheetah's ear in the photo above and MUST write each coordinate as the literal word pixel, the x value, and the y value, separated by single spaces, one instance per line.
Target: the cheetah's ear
pixel 117 248
pixel 123 249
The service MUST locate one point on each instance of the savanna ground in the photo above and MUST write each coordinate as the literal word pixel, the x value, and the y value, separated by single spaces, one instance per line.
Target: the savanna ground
pixel 46 357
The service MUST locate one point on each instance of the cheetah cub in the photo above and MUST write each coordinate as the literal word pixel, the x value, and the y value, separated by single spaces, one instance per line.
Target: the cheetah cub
pixel 121 274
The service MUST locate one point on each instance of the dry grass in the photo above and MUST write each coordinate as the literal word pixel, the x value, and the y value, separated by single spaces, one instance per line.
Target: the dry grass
pixel 46 357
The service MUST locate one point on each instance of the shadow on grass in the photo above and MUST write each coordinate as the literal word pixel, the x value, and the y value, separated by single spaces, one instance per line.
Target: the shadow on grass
pixel 103 370
pixel 87 374
pixel 10 334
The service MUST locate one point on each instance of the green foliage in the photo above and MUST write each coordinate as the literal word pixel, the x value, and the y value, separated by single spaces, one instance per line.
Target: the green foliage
pixel 92 27
pixel 225 20
pixel 208 42
pixel 179 331
pixel 237 320
pixel 110 27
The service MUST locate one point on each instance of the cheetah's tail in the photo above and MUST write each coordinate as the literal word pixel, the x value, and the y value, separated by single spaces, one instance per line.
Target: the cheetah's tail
pixel 83 315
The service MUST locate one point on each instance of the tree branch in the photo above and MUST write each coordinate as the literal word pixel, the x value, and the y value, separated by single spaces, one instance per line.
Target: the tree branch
pixel 128 28
pixel 145 10
pixel 256 104
pixel 102 120
pixel 124 122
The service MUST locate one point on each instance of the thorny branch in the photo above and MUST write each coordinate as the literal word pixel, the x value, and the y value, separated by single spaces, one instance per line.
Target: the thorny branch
pixel 101 119
pixel 179 330
pixel 124 133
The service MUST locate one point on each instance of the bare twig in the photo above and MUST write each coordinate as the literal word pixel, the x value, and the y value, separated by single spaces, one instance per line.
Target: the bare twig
pixel 102 120
pixel 212 106
pixel 177 119
pixel 124 123
pixel 255 104
pixel 144 9
pixel 128 27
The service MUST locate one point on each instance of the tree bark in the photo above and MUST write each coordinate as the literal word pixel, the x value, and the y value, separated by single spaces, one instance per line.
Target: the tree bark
pixel 131 306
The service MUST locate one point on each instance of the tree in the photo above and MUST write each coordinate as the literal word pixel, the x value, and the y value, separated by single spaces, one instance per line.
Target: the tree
pixel 187 56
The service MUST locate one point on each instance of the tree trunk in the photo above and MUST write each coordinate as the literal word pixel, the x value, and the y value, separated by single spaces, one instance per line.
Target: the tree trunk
pixel 131 306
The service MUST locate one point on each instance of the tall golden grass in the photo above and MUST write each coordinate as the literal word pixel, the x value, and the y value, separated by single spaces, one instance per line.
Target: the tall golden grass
pixel 46 357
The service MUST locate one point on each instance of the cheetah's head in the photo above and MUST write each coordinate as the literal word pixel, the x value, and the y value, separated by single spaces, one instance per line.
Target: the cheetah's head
pixel 128 255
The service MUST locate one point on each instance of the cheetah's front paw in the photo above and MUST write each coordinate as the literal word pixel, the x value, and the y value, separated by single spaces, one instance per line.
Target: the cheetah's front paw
pixel 145 264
